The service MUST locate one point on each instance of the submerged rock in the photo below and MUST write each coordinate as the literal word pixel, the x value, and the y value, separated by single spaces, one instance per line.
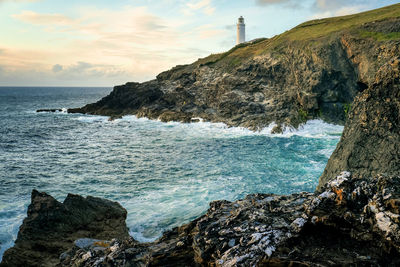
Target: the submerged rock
pixel 51 227
pixel 50 110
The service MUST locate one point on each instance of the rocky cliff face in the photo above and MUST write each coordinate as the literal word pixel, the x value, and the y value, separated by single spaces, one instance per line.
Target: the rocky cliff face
pixel 370 143
pixel 305 73
pixel 51 227
pixel 352 220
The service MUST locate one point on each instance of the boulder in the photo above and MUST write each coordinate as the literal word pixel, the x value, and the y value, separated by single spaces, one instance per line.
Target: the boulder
pixel 51 227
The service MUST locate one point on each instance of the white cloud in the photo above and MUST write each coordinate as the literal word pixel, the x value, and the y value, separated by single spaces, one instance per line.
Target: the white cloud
pixel 265 2
pixel 204 5
pixel 287 3
pixel 43 19
pixel 130 44
pixel 327 8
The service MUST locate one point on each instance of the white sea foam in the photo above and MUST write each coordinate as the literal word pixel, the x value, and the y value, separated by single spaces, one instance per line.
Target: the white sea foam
pixel 315 129
pixel 311 129
pixel 92 119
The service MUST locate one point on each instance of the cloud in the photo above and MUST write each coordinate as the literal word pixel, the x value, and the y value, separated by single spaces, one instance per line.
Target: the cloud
pixel 85 69
pixel 204 5
pixel 57 68
pixel 43 19
pixel 266 2
pixel 110 46
pixel 208 31
pixel 287 3
pixel 328 8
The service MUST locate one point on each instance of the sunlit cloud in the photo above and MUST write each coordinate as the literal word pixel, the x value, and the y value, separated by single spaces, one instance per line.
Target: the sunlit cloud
pixel 292 4
pixel 204 5
pixel 131 42
pixel 43 19
pixel 326 8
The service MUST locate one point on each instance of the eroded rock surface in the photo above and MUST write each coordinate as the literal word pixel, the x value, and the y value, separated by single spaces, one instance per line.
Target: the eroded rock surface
pixel 370 143
pixel 352 222
pixel 51 227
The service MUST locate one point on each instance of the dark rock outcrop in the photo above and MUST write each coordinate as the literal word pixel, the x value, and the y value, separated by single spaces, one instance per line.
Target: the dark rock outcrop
pixel 352 222
pixel 314 70
pixel 51 227
pixel 49 110
pixel 370 143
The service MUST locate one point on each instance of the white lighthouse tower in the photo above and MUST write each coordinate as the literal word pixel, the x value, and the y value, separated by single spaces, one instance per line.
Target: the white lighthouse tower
pixel 241 31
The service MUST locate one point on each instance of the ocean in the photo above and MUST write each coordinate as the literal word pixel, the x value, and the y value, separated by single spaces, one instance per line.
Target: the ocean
pixel 164 174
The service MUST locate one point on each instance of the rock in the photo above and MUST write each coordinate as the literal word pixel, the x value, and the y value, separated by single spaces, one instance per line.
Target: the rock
pixel 51 228
pixel 49 110
pixel 371 139
pixel 352 219
pixel 305 229
pixel 283 80
pixel 85 243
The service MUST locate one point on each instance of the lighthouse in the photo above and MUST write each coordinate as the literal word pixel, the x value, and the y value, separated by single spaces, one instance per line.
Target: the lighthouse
pixel 241 31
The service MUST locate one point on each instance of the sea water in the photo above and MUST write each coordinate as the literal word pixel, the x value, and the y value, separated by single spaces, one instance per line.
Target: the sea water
pixel 164 174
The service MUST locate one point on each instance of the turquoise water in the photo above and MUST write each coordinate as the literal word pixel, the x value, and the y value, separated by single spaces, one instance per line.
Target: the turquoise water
pixel 164 174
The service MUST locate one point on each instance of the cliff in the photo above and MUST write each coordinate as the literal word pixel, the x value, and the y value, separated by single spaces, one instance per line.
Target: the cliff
pixel 353 217
pixel 314 70
pixel 370 143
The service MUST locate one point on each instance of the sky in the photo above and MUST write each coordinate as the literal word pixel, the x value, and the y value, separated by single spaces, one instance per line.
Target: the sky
pixel 105 43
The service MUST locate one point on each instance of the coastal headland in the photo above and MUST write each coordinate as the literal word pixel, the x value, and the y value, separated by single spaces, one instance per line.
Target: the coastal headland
pixel 343 70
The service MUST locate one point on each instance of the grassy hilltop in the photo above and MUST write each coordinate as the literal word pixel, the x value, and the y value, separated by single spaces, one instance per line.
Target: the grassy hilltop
pixel 313 31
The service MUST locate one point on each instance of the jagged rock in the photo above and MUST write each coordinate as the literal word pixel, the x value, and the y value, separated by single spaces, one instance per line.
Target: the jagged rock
pixel 49 110
pixel 287 79
pixel 51 227
pixel 371 139
pixel 352 222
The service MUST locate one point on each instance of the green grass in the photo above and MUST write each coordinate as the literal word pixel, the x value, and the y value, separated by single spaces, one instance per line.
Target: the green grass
pixel 322 27
pixel 305 35
pixel 346 108
pixel 380 36
pixel 303 115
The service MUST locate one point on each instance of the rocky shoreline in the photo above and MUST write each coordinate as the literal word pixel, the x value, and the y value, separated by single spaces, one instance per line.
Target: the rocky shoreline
pixel 351 219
